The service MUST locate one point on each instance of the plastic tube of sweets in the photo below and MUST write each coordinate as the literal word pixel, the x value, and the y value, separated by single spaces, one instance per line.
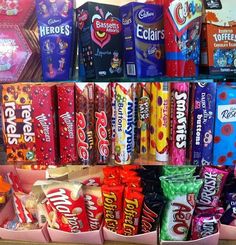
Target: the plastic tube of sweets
pixel 179 122
pixel 163 122
pixel 143 118
pixel 153 118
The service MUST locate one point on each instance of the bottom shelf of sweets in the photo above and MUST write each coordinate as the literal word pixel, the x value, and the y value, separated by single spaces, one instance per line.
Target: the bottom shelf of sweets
pixel 7 242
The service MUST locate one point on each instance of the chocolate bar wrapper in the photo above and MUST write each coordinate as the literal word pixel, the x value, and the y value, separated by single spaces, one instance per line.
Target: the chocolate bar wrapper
pixel 2 145
pixel 44 114
pixel 18 122
pixel 55 22
pixel 143 37
pixel 100 40
pixel 224 152
pixel 85 122
pixel 203 122
pixel 66 122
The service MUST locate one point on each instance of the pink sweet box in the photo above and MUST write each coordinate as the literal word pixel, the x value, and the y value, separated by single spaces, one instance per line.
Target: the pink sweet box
pixel 227 232
pixel 148 238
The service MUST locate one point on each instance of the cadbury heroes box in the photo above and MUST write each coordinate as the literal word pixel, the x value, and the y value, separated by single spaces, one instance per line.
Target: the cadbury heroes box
pixel 224 152
pixel 202 122
pixel 143 36
pixel 55 22
pixel 100 40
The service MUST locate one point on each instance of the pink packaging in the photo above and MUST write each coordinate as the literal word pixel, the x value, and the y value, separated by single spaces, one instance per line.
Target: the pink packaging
pixel 89 237
pixel 227 232
pixel 37 235
pixel 43 97
pixel 150 238
pixel 66 122
pixel 179 122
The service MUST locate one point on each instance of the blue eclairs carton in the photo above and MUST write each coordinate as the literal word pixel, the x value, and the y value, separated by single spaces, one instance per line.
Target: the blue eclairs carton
pixel 202 122
pixel 224 152
pixel 143 36
pixel 55 22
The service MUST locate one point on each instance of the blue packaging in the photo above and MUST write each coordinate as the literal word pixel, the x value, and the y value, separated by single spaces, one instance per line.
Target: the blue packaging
pixel 143 37
pixel 224 152
pixel 55 22
pixel 203 117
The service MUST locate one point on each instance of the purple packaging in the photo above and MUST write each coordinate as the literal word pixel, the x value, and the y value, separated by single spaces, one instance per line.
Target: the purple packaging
pixel 55 22
pixel 100 40
pixel 143 37
pixel 224 152
pixel 202 122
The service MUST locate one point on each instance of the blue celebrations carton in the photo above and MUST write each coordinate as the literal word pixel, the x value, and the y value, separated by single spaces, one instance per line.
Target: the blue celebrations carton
pixel 55 22
pixel 143 34
pixel 202 122
pixel 224 152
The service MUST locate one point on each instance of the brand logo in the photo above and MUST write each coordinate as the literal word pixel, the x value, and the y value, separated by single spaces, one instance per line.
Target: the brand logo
pixel 101 124
pixel 91 209
pixel 28 126
pixel 148 218
pixel 181 127
pixel 46 129
pixel 225 37
pixel 126 21
pixel 110 207
pixel 82 17
pixel 129 130
pixel 198 129
pixel 54 21
pixel 67 118
pixel 149 34
pixel 144 108
pixel 146 13
pixel 183 12
pixel 48 30
pixel 227 113
pixel 103 27
pixel 209 227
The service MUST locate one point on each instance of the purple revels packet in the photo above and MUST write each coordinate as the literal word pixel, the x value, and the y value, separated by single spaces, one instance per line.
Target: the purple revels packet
pixel 143 37
pixel 203 113
pixel 55 23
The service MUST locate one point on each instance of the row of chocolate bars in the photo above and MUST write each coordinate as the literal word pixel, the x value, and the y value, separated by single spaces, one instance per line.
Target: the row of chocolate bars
pixel 143 39
pixel 129 199
pixel 98 123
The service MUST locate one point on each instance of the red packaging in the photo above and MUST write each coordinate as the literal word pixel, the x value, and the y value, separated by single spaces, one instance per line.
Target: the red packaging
pixel 68 200
pixel 113 206
pixel 43 96
pixel 182 27
pixel 66 122
pixel 133 202
pixel 85 122
pixel 94 206
pixel 103 129
pixel 18 123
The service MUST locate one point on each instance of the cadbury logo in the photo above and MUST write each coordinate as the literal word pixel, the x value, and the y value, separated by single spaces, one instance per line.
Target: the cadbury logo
pixel 181 127
pixel 101 124
pixel 54 21
pixel 43 122
pixel 110 210
pixel 70 125
pixel 145 14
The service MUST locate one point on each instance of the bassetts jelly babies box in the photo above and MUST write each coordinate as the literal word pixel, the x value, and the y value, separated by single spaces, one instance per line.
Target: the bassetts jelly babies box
pixel 100 40
pixel 218 52
pixel 143 37
pixel 55 22
pixel 225 126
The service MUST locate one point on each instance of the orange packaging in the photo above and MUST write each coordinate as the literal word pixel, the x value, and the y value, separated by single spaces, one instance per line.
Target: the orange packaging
pixel 218 49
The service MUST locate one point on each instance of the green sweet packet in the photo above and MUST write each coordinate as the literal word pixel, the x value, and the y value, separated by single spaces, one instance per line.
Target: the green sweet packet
pixel 176 170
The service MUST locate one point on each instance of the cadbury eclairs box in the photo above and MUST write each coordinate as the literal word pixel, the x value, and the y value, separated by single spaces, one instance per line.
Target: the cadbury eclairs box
pixel 100 40
pixel 143 36
pixel 202 126
pixel 224 152
pixel 55 22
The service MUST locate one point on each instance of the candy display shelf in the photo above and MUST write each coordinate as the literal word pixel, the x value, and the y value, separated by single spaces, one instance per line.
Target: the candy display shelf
pixel 6 242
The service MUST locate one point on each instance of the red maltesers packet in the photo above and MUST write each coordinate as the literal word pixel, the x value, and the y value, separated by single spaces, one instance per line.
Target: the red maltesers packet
pixel 43 96
pixel 66 122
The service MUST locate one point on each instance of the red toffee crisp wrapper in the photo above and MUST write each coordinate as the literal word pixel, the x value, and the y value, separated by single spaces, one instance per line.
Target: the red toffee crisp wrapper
pixel 113 206
pixel 94 206
pixel 133 202
pixel 66 122
pixel 103 129
pixel 45 125
pixel 85 122
pixel 68 200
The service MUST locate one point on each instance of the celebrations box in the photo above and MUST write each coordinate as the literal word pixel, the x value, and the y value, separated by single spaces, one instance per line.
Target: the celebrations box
pixel 100 40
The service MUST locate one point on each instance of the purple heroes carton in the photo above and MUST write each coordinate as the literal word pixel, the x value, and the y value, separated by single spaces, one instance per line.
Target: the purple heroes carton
pixel 55 22
pixel 224 152
pixel 203 117
pixel 143 35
